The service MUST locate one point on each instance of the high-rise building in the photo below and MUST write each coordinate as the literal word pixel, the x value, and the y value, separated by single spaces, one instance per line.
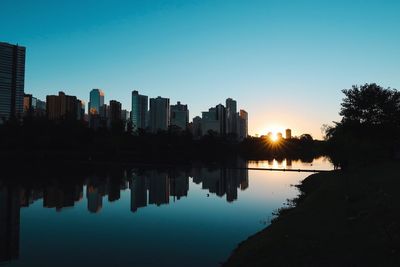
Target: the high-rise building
pixel 231 116
pixel 221 117
pixel 80 109
pixel 288 134
pixel 209 122
pixel 180 115
pixel 96 101
pixel 115 111
pixel 159 114
pixel 214 120
pixel 197 129
pixel 12 79
pixel 33 106
pixel 139 110
pixel 62 107
pixel 242 124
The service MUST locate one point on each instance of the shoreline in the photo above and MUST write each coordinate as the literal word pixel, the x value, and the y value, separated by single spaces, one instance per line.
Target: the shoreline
pixel 339 219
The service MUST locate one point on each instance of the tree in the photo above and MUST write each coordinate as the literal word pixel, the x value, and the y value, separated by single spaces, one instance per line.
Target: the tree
pixel 370 124
pixel 371 104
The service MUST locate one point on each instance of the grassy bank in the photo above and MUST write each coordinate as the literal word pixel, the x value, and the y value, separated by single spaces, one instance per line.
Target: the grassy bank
pixel 341 219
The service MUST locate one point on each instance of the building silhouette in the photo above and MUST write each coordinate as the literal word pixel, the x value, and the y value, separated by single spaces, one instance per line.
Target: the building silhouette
pixel 96 101
pixel 33 106
pixel 197 127
pixel 159 114
pixel 12 79
pixel 139 111
pixel 288 134
pixel 179 115
pixel 242 124
pixel 63 107
pixel 231 116
pixel 115 111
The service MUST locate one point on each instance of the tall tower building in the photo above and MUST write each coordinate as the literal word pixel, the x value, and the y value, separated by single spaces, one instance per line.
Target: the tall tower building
pixel 139 110
pixel 96 101
pixel 243 122
pixel 115 111
pixel 12 79
pixel 159 114
pixel 180 115
pixel 231 116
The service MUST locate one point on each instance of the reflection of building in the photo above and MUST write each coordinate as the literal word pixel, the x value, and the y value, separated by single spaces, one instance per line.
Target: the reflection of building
pixel 139 110
pixel 223 181
pixel 179 115
pixel 138 192
pixel 179 185
pixel 158 188
pixel 12 78
pixel 159 114
pixel 9 223
pixel 94 199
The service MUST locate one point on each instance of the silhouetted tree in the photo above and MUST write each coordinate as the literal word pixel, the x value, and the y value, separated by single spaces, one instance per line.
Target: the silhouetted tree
pixel 370 125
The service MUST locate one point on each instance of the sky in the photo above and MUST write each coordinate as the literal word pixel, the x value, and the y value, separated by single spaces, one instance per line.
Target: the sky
pixel 285 62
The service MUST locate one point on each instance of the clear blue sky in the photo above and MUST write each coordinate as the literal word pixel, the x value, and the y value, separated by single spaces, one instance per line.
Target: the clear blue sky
pixel 285 62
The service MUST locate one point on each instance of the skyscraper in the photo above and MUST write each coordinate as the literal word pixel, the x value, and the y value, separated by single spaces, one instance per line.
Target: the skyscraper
pixel 231 116
pixel 96 101
pixel 139 110
pixel 115 111
pixel 12 79
pixel 159 114
pixel 242 124
pixel 180 115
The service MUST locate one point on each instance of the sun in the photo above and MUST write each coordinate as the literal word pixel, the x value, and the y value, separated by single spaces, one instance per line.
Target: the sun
pixel 273 137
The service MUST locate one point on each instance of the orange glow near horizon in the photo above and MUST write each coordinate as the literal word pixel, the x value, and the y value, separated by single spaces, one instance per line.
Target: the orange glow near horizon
pixel 273 130
pixel 274 137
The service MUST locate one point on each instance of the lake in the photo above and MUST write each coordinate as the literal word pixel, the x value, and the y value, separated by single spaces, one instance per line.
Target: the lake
pixel 193 216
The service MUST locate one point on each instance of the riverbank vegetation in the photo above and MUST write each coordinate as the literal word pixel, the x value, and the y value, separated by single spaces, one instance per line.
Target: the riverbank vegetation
pixel 347 217
pixel 40 139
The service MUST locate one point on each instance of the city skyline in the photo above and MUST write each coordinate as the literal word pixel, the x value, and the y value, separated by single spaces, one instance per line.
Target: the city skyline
pixel 275 58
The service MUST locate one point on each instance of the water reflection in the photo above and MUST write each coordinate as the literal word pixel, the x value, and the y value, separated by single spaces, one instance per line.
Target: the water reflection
pixel 144 188
pixel 10 203
pixel 321 163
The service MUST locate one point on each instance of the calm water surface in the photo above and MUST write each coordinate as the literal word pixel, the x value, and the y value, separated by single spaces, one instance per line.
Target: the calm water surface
pixel 147 217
